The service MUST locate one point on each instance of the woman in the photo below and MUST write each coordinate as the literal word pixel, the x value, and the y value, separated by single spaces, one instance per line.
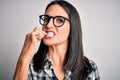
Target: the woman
pixel 60 55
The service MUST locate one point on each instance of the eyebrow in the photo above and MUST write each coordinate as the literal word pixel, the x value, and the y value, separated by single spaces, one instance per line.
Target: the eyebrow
pixel 56 15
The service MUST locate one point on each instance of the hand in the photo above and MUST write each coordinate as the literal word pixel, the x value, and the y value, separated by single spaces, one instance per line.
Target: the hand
pixel 31 43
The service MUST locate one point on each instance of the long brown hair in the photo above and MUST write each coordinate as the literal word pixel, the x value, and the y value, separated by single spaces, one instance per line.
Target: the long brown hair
pixel 75 61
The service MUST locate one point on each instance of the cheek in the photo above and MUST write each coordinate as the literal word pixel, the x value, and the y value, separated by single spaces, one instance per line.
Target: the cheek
pixel 65 32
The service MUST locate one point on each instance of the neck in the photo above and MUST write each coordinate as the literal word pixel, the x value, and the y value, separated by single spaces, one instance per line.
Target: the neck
pixel 57 54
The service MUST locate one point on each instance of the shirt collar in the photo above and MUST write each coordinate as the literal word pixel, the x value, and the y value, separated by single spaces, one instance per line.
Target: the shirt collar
pixel 49 70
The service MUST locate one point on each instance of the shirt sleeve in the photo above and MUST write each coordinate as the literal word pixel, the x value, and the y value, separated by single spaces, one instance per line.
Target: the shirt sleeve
pixel 94 75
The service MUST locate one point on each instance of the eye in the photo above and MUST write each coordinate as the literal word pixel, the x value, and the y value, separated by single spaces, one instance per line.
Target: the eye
pixel 59 20
pixel 45 18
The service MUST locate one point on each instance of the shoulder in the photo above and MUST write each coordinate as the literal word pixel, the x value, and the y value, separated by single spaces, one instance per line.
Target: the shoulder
pixel 93 65
pixel 94 75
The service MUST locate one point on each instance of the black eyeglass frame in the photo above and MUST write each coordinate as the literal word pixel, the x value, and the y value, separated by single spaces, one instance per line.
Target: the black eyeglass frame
pixel 50 17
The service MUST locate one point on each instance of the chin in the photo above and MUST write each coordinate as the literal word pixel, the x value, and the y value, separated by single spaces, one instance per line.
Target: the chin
pixel 49 43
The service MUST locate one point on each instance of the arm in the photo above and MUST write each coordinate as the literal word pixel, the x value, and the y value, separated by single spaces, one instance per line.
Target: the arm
pixel 27 53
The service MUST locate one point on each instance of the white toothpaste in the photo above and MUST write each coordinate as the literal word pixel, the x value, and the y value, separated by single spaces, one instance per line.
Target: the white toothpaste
pixel 50 34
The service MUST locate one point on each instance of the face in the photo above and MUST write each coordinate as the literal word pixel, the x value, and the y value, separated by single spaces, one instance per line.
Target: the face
pixel 56 35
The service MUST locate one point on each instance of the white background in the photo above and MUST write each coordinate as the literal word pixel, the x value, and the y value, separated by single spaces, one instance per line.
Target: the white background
pixel 100 23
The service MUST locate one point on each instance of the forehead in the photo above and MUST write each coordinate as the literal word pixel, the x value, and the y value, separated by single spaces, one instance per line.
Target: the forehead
pixel 56 10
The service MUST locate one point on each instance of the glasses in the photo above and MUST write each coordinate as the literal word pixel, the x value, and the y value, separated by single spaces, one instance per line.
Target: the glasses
pixel 58 21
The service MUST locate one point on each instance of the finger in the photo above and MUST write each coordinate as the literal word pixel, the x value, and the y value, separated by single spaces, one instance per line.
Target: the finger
pixel 39 30
pixel 43 32
pixel 40 35
pixel 35 29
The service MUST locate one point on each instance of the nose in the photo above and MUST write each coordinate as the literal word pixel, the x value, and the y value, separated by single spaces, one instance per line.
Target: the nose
pixel 50 24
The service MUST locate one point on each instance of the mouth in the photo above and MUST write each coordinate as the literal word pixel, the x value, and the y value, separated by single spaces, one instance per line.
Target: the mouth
pixel 49 34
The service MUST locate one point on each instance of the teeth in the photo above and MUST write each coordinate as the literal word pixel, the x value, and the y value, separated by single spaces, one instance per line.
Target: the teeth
pixel 50 34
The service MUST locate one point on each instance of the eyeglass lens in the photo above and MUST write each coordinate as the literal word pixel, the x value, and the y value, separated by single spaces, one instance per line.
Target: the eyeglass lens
pixel 57 20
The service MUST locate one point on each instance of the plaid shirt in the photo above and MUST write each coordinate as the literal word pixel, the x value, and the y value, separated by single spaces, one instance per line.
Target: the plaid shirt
pixel 48 74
